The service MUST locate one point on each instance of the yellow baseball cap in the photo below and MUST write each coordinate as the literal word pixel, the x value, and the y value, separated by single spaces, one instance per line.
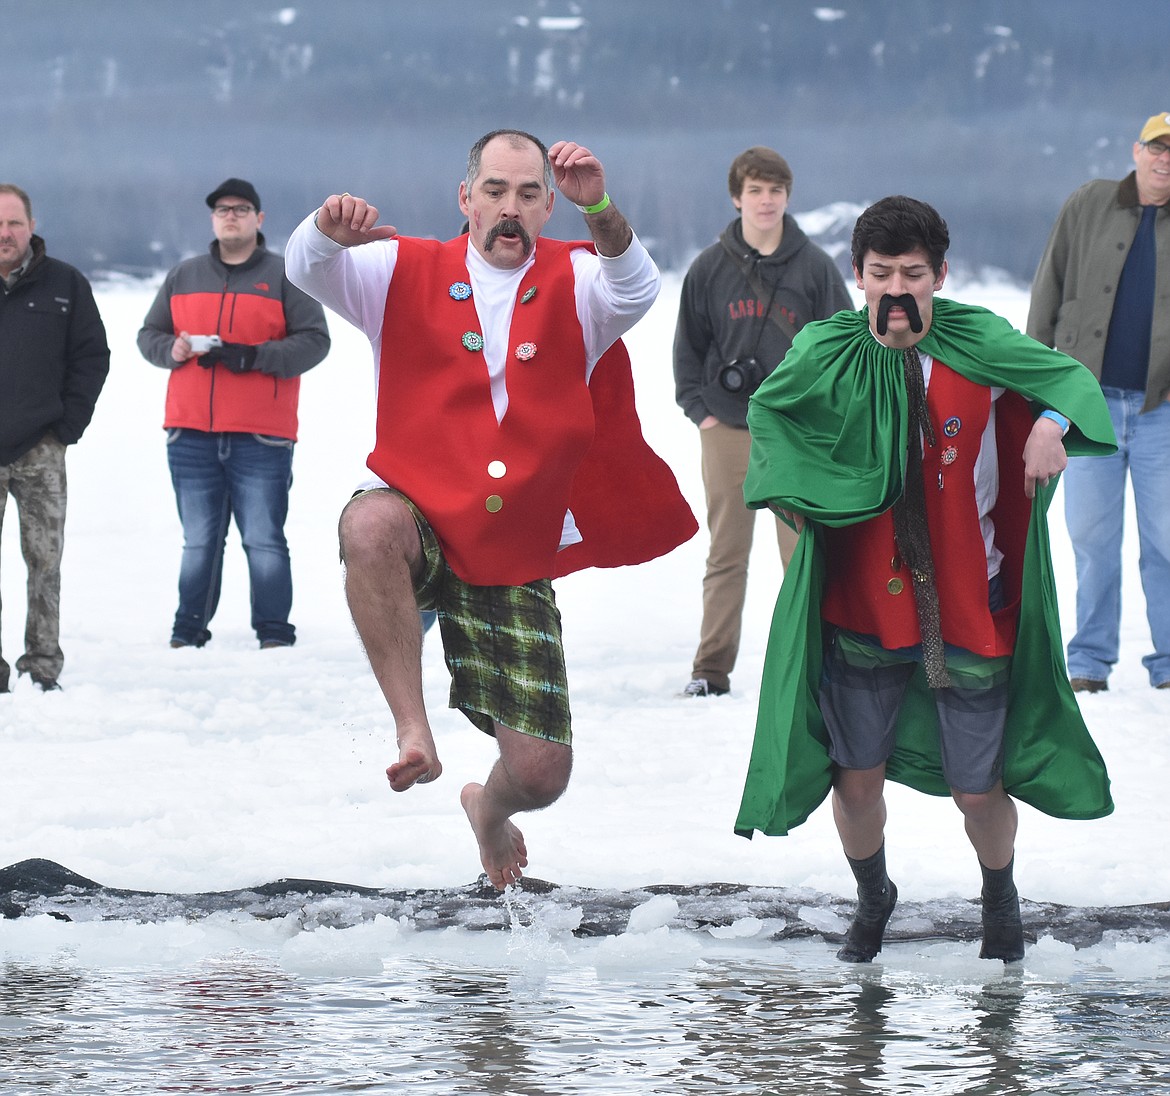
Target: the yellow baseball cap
pixel 1157 126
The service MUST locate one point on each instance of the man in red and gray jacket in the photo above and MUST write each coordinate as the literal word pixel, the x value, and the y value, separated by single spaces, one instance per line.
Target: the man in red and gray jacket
pixel 236 335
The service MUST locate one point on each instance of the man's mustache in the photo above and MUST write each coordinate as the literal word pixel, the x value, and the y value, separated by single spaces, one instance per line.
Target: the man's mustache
pixel 907 303
pixel 509 227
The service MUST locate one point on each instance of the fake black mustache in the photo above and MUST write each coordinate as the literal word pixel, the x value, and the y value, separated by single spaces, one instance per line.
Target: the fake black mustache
pixel 507 228
pixel 905 302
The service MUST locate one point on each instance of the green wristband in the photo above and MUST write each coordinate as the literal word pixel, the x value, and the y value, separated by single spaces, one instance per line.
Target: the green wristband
pixel 603 204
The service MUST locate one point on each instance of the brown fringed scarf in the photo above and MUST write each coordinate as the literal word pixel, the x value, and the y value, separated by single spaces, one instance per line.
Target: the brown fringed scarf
pixel 910 529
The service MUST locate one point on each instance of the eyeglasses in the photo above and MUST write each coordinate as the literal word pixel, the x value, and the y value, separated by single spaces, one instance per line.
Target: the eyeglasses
pixel 1156 148
pixel 233 211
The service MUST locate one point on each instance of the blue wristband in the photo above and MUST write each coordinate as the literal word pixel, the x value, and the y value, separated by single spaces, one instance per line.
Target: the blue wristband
pixel 1057 418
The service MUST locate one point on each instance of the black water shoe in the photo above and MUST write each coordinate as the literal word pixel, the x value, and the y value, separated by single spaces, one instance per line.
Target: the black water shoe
pixel 1003 932
pixel 864 939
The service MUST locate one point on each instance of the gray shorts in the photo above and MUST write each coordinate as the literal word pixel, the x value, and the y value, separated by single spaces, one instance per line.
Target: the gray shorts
pixel 862 687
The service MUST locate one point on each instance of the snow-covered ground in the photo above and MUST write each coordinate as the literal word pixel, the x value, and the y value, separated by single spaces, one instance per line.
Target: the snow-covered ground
pixel 220 768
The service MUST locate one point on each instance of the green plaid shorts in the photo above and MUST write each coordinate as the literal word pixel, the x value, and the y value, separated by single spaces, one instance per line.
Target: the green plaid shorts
pixel 502 646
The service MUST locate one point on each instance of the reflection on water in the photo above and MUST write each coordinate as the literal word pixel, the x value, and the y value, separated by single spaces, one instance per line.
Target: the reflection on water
pixel 468 1015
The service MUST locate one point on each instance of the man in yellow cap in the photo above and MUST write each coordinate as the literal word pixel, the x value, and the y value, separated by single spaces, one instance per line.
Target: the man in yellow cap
pixel 1095 298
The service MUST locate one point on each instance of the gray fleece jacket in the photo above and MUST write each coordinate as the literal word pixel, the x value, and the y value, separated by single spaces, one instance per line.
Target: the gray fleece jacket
pixel 721 318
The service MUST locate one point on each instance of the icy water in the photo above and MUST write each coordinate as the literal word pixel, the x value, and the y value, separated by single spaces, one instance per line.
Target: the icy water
pixel 536 1010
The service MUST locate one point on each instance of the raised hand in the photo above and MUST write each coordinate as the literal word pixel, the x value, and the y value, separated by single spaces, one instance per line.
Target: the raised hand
pixel 350 221
pixel 578 174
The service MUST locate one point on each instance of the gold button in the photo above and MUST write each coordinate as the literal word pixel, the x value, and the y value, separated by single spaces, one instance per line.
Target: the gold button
pixel 494 504
pixel 497 469
pixel 895 585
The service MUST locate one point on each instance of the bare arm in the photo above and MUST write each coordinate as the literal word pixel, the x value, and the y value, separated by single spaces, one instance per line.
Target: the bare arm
pixel 579 176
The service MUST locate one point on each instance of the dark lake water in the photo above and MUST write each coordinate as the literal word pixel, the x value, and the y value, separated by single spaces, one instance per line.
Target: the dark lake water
pixel 377 1009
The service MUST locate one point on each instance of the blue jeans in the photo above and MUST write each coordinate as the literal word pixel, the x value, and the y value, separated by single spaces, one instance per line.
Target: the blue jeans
pixel 217 477
pixel 1094 504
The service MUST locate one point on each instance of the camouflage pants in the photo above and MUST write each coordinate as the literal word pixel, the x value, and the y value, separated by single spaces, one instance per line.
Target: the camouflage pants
pixel 37 482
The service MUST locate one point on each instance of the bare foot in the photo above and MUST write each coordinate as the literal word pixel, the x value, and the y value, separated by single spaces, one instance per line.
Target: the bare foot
pixel 501 845
pixel 414 766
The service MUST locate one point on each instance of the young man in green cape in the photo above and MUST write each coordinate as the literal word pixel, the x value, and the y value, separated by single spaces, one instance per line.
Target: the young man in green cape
pixel 916 633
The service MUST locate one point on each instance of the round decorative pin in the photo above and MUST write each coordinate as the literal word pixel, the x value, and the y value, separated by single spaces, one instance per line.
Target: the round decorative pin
pixel 472 340
pixel 952 426
pixel 497 469
pixel 895 586
pixel 949 455
pixel 526 351
pixel 529 293
pixel 459 291
pixel 493 504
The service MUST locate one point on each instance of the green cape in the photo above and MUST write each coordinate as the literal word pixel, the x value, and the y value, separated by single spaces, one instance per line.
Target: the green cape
pixel 828 441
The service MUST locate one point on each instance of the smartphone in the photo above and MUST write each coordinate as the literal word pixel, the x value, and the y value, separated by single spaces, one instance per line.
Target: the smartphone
pixel 201 344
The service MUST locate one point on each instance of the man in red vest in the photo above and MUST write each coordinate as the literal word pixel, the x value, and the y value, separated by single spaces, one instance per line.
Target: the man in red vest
pixel 917 443
pixel 507 452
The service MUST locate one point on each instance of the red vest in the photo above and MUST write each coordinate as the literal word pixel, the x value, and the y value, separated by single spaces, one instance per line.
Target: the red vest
pixel 869 589
pixel 495 493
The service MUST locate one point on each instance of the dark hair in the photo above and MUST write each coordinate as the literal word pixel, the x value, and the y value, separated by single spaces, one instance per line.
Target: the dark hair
pixel 758 162
pixel 516 138
pixel 16 192
pixel 899 224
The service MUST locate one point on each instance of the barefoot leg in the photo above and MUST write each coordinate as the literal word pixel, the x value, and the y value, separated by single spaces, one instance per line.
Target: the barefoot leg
pixel 383 555
pixel 530 774
pixel 502 851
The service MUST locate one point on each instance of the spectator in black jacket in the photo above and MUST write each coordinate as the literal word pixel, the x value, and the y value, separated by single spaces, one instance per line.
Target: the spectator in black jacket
pixel 53 363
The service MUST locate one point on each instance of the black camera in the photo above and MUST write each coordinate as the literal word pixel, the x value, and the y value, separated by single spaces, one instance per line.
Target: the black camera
pixel 742 375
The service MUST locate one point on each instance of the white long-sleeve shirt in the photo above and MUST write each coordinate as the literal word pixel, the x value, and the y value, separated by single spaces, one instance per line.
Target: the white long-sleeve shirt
pixel 612 294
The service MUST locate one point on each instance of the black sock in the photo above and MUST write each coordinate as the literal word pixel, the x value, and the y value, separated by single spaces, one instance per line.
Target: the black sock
pixel 1003 928
pixel 876 896
pixel 873 884
pixel 1001 900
